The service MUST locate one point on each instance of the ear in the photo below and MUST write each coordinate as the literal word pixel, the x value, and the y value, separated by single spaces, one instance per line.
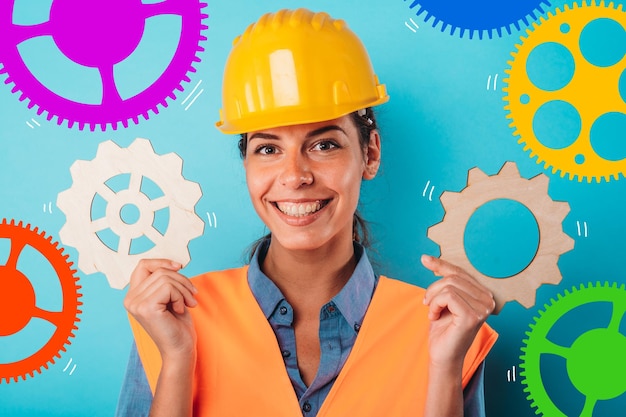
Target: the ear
pixel 372 156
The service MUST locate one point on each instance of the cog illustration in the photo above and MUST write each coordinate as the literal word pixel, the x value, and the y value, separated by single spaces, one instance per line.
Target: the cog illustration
pixel 595 360
pixel 100 36
pixel 19 303
pixel 484 16
pixel 533 194
pixel 566 91
pixel 84 228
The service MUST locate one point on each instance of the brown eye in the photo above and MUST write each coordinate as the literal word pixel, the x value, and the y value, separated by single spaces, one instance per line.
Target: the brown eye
pixel 265 150
pixel 325 145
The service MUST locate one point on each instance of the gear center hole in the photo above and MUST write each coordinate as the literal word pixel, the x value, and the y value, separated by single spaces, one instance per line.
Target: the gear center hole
pixel 130 214
pixel 501 238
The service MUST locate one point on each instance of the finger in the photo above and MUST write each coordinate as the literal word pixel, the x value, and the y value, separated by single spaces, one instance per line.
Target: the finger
pixel 447 300
pixel 440 267
pixel 145 267
pixel 460 307
pixel 159 292
pixel 464 283
pixel 167 287
pixel 163 273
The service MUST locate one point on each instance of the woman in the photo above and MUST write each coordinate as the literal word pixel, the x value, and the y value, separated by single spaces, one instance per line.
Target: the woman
pixel 307 328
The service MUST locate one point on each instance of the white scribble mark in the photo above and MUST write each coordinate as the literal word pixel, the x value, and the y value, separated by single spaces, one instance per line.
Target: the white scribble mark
pixel 68 365
pixel 35 122
pixel 432 188
pixel 414 24
pixel 495 82
pixel 213 220
pixel 425 188
pixel 191 94
pixel 510 374
pixel 194 99
pixel 585 231
pixel 29 125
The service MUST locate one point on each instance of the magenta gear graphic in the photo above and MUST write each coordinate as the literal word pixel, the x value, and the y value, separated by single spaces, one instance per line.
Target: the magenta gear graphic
pixel 100 36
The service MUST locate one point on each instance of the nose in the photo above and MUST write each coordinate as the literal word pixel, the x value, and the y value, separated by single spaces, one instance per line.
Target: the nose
pixel 295 171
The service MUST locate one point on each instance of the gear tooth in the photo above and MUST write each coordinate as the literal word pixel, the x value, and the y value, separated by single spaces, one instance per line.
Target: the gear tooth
pixel 450 199
pixel 435 233
pixel 540 183
pixel 475 175
pixel 509 169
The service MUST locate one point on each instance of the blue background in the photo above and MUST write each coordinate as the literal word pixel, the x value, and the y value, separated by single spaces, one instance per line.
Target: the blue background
pixel 442 120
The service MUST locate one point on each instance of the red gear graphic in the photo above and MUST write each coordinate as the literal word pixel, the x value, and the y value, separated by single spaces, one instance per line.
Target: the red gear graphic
pixel 19 304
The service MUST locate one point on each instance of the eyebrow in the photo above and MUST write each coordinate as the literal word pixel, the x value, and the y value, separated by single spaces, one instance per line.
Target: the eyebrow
pixel 316 132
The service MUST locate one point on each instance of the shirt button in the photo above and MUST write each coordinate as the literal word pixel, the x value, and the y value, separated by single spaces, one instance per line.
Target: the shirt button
pixel 306 407
pixel 283 310
pixel 357 327
pixel 331 309
pixel 286 354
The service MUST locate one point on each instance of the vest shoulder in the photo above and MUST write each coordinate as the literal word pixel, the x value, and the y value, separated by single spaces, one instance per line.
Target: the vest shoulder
pixel 222 278
pixel 396 285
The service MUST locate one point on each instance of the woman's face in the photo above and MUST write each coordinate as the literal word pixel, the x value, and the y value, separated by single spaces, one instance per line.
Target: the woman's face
pixel 304 180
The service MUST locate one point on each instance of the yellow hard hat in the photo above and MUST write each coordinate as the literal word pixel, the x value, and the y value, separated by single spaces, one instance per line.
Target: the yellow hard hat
pixel 293 67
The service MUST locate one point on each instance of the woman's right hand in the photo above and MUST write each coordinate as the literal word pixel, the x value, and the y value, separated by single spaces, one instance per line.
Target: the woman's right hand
pixel 158 298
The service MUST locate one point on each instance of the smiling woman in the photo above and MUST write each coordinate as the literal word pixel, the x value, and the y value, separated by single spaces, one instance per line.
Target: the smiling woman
pixel 307 326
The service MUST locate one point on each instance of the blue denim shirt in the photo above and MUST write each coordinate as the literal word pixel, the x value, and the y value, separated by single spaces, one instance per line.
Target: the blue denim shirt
pixel 340 321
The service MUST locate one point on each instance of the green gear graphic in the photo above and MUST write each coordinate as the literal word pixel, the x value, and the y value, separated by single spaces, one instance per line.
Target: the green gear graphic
pixel 592 91
pixel 595 361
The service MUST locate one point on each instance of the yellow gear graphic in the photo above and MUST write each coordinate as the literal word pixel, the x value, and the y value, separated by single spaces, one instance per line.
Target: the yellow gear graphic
pixel 593 91
pixel 533 194
pixel 89 180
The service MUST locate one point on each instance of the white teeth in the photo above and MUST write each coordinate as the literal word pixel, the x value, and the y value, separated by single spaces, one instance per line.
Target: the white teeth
pixel 299 209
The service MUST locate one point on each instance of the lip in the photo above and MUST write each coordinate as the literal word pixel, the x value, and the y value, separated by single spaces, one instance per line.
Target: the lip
pixel 301 219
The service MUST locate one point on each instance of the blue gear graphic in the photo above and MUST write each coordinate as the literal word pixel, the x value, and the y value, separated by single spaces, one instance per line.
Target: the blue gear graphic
pixel 479 16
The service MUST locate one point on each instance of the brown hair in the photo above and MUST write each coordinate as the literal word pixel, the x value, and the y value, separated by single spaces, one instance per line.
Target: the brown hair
pixel 365 122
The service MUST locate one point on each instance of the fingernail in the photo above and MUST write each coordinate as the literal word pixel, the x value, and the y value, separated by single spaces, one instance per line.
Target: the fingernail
pixel 176 265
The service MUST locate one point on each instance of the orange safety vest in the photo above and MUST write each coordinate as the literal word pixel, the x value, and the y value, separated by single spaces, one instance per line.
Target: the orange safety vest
pixel 240 370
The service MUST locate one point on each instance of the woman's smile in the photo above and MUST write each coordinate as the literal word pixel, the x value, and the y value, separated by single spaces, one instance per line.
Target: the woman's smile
pixel 300 208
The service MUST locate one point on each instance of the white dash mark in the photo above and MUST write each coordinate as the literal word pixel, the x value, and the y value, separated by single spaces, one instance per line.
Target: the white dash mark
pixel 191 94
pixel 68 365
pixel 194 99
pixel 425 188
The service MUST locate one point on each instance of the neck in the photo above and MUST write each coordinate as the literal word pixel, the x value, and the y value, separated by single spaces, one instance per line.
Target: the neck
pixel 310 278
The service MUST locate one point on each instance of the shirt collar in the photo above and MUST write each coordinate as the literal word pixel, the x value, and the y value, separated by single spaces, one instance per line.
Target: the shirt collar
pixel 352 301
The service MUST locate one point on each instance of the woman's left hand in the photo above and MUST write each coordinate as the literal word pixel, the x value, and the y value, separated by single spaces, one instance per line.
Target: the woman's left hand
pixel 458 306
